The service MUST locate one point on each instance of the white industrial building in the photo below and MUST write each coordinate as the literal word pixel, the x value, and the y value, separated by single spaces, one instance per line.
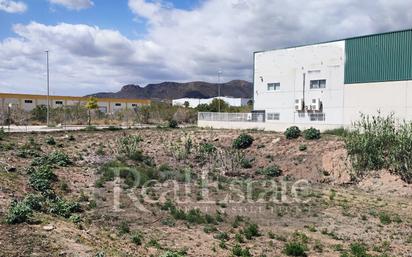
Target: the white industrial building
pixel 194 102
pixel 328 85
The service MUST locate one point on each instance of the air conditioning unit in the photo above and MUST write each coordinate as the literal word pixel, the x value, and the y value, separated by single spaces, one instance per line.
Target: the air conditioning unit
pixel 299 105
pixel 316 105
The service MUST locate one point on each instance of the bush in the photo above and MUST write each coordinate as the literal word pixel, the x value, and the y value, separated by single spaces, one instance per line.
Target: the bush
pixel 340 132
pixel 50 140
pixel 63 208
pixel 357 250
pixel 311 134
pixel 238 251
pixel 295 249
pixel 19 212
pixel 243 141
pixel 2 133
pixel 251 231
pixel 172 254
pixel 123 228
pixel 292 132
pixel 246 163
pixel 173 124
pixel 271 171
pixel 137 239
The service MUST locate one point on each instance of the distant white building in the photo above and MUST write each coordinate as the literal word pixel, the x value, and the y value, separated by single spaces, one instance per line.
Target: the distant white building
pixel 194 102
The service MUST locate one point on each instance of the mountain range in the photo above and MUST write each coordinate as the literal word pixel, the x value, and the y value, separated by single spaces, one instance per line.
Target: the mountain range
pixel 175 90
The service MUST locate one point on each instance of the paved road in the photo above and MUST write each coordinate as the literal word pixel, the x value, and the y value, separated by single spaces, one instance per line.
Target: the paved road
pixel 25 129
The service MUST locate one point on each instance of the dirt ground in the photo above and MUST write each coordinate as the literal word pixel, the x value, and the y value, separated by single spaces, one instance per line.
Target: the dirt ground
pixel 313 201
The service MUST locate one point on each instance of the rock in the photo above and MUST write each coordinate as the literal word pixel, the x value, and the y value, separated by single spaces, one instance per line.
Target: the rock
pixel 48 227
pixel 11 169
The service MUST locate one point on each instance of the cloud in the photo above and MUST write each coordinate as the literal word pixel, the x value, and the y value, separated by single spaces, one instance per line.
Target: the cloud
pixel 184 45
pixel 12 6
pixel 74 4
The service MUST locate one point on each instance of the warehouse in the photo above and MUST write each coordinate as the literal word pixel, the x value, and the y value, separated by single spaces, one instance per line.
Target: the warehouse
pixel 328 85
pixel 194 102
pixel 28 102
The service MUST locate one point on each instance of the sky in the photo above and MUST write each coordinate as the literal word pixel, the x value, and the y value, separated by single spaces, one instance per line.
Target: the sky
pixel 101 45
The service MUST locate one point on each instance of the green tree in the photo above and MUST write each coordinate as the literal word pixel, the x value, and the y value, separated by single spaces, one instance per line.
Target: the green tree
pixel 91 105
pixel 214 105
pixel 39 113
pixel 186 104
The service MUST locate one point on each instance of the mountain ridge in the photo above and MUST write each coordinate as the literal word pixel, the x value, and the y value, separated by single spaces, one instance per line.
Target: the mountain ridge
pixel 169 90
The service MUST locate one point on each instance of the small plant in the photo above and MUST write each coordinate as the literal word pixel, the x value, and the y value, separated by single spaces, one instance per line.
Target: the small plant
pixel 173 124
pixel 295 249
pixel 54 159
pixel 292 132
pixel 42 178
pixel 2 133
pixel 128 146
pixel 50 140
pixel 340 132
pixel 311 134
pixel 123 228
pixel 223 236
pixel 19 212
pixel 71 138
pixel 271 171
pixel 385 218
pixel 302 147
pixel 137 238
pixel 251 231
pixel 237 250
pixel 243 141
pixel 246 163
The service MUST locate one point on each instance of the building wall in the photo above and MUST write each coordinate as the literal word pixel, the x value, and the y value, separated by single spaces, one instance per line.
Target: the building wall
pixel 294 68
pixel 194 102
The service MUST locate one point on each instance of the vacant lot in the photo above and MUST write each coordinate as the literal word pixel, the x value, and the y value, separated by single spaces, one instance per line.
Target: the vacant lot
pixel 189 192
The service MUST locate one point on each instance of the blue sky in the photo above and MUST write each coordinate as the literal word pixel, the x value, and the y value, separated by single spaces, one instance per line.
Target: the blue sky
pixel 107 14
pixel 101 45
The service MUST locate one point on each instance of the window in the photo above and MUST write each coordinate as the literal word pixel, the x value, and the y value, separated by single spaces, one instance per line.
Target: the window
pixel 273 86
pixel 117 104
pixel 134 105
pixel 321 83
pixel 59 102
pixel 273 116
pixel 317 117
pixel 28 101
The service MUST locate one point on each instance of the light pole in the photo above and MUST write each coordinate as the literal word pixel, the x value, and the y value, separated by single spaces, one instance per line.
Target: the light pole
pixel 219 73
pixel 9 114
pixel 48 88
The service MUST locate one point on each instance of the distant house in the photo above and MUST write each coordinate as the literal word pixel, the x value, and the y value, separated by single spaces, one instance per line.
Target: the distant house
pixel 29 102
pixel 194 102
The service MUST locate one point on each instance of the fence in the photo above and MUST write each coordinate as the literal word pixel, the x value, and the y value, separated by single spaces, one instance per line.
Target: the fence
pixel 231 117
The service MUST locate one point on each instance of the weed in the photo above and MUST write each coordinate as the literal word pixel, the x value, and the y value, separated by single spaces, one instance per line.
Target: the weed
pixel 173 124
pixel 223 236
pixel 385 218
pixel 42 178
pixel 271 171
pixel 56 158
pixel 123 228
pixel 302 147
pixel 50 140
pixel 341 132
pixel 237 250
pixel 295 249
pixel 2 133
pixel 251 231
pixel 128 146
pixel 137 238
pixel 246 163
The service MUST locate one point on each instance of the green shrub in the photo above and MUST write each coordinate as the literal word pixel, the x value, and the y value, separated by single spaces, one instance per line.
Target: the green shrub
pixel 71 138
pixel 56 158
pixel 311 134
pixel 295 249
pixel 238 251
pixel 42 178
pixel 292 132
pixel 207 148
pixel 271 171
pixel 357 250
pixel 385 218
pixel 128 146
pixel 172 254
pixel 50 140
pixel 246 163
pixel 113 128
pixel 223 236
pixel 173 124
pixel 18 212
pixel 63 207
pixel 251 231
pixel 137 238
pixel 243 141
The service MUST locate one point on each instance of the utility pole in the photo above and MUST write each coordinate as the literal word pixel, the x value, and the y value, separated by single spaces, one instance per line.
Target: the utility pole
pixel 219 73
pixel 48 89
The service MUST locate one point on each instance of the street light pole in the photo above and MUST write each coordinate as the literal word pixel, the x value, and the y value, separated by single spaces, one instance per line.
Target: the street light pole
pixel 48 89
pixel 219 73
pixel 9 115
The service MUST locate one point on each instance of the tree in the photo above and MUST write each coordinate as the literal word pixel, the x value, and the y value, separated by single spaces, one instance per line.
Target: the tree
pixel 214 105
pixel 91 105
pixel 186 104
pixel 39 113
